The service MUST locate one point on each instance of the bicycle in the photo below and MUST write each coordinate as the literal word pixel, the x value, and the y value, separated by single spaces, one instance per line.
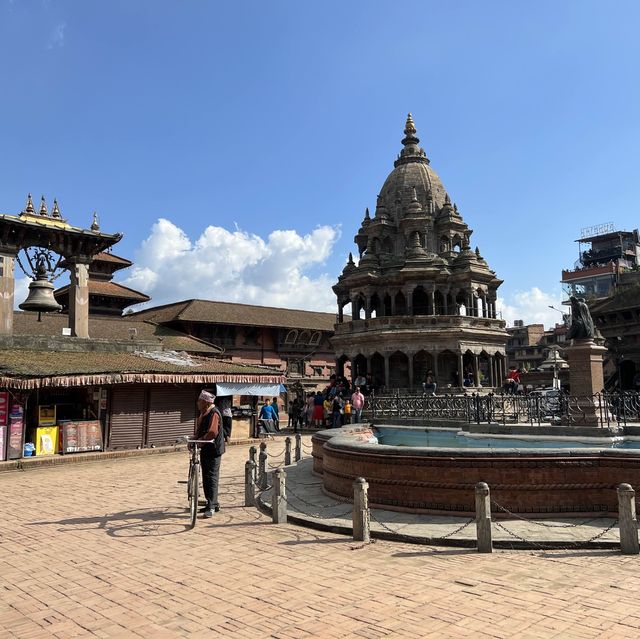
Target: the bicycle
pixel 193 479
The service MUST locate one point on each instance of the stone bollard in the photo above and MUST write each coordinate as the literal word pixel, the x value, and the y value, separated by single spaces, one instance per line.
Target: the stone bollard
pixel 360 510
pixel 249 483
pixel 298 453
pixel 253 456
pixel 627 520
pixel 279 499
pixel 483 517
pixel 262 467
pixel 287 451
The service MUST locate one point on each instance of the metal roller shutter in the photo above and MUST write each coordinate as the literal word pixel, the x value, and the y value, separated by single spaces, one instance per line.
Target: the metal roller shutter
pixel 127 417
pixel 172 413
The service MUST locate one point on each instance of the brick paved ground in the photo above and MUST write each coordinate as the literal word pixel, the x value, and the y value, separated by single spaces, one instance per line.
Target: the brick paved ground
pixel 102 550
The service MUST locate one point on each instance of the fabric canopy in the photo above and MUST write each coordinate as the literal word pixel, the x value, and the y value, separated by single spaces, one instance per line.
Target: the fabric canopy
pixel 259 390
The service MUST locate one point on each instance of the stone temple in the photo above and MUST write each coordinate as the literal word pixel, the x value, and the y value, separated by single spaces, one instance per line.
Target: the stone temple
pixel 421 298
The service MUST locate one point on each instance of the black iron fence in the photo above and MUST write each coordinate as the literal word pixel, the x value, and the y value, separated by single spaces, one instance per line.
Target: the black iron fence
pixel 603 409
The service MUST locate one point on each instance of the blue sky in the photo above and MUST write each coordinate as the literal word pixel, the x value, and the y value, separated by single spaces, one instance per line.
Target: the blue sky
pixel 276 123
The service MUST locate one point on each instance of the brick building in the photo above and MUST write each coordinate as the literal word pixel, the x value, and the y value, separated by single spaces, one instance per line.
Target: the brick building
pixel 293 341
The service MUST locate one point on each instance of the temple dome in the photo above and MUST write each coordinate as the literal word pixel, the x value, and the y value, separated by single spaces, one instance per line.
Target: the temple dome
pixel 412 171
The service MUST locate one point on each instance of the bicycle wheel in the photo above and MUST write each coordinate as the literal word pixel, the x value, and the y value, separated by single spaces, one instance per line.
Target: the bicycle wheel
pixel 194 481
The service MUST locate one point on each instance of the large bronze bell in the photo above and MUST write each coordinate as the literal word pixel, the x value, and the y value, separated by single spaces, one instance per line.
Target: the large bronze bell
pixel 40 298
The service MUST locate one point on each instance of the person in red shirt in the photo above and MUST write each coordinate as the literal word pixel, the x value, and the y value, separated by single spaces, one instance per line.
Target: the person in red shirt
pixel 513 380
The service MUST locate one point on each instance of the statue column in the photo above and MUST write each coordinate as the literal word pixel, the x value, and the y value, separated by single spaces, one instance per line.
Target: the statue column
pixel 7 289
pixel 460 370
pixel 79 299
pixel 386 370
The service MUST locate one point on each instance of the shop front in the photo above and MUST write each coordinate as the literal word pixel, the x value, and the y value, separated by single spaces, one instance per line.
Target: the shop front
pixel 86 411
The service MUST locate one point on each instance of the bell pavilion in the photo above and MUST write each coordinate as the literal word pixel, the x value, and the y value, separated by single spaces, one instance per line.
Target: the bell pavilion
pixel 421 298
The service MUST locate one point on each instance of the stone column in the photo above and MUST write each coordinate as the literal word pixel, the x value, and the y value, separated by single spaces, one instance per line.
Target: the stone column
pixel 410 369
pixel 492 373
pixel 433 302
pixel 7 289
pixel 408 294
pixel 386 370
pixel 445 306
pixel 79 299
pixel 434 359
pixel 393 303
pixel 476 371
pixel 340 314
pixel 460 370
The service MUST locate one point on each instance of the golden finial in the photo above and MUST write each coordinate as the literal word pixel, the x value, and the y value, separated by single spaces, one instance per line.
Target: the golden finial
pixel 56 211
pixel 43 207
pixel 410 127
pixel 95 226
pixel 29 208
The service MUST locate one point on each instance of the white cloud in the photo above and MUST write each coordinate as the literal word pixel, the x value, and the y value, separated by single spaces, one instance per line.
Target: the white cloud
pixel 235 266
pixel 56 39
pixel 532 307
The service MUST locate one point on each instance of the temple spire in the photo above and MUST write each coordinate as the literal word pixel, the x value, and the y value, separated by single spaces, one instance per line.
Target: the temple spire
pixel 56 211
pixel 29 208
pixel 411 151
pixel 366 214
pixel 410 127
pixel 95 225
pixel 43 207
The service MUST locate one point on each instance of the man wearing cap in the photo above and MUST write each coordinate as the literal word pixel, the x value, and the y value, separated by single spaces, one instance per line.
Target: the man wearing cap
pixel 209 426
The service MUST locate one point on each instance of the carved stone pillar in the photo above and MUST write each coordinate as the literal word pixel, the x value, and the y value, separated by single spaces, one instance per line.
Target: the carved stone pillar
pixel 410 367
pixel 433 301
pixel 7 289
pixel 408 293
pixel 340 313
pixel 492 373
pixel 393 303
pixel 476 371
pixel 79 299
pixel 386 370
pixel 445 309
pixel 460 370
pixel 434 359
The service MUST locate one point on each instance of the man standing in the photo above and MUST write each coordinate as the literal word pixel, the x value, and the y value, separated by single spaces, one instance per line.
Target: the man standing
pixel 357 404
pixel 209 426
pixel 224 406
pixel 268 416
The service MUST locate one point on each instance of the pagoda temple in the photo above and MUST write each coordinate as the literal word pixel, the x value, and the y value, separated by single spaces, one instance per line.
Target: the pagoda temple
pixel 105 296
pixel 422 300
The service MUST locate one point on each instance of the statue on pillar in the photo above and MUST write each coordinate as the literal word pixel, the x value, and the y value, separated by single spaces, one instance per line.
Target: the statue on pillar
pixel 582 326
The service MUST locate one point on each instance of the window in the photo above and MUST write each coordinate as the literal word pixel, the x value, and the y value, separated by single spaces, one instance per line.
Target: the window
pixel 304 338
pixel 315 338
pixel 291 337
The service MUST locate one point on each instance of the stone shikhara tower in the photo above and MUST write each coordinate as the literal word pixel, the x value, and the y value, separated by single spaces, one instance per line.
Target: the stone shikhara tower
pixel 422 299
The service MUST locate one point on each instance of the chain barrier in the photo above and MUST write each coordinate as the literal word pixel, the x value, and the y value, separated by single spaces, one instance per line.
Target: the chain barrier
pixel 541 523
pixel 317 515
pixel 567 544
pixel 431 539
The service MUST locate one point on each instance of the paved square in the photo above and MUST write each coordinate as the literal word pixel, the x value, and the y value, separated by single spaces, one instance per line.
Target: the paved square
pixel 102 550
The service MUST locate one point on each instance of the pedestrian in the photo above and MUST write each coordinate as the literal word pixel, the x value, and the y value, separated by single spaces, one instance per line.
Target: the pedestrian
pixel 347 412
pixel 267 415
pixel 209 427
pixel 336 412
pixel 357 404
pixel 429 385
pixel 318 410
pixel 274 405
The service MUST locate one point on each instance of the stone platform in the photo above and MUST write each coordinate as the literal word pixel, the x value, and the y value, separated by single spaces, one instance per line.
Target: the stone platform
pixel 309 505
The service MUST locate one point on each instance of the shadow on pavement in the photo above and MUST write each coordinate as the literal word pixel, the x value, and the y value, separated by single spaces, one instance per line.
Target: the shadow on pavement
pixel 128 523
